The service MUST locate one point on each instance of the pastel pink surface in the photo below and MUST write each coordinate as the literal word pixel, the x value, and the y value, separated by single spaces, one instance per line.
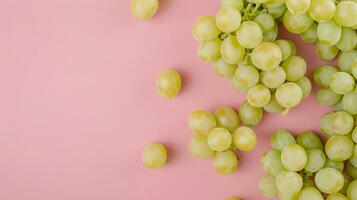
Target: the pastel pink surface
pixel 78 103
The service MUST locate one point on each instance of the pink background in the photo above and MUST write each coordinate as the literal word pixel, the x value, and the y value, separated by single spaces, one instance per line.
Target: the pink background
pixel 78 103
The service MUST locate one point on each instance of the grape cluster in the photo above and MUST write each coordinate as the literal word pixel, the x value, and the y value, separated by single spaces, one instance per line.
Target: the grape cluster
pixel 218 136
pixel 241 43
pixel 305 168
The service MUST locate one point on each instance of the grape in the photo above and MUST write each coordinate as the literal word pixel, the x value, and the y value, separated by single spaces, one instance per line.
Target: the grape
pixel 326 124
pixel 273 78
pixel 339 148
pixel 237 4
pixel 298 7
pixel 322 10
pixel 281 138
pixel 289 95
pixel 277 11
pixel 329 180
pixel 342 83
pixel 351 170
pixel 353 161
pixel 346 13
pixel 349 102
pixel 338 106
pixel 154 156
pixel 297 23
pixel 295 68
pixel 348 39
pixel 322 75
pixel 219 139
pixel 327 97
pixel 225 162
pixel 287 48
pixel 227 118
pixel 266 21
pixel 271 35
pixel 274 107
pixel 231 51
pixel 354 134
pixel 258 96
pixel 305 85
pixel 201 122
pixel 310 193
pixel 267 186
pixel 326 52
pixel 144 9
pixel 342 122
pixel 205 28
pixel 293 157
pixel 168 83
pixel 228 19
pixel 199 148
pixel 250 115
pixel 209 50
pixel 271 162
pixel 352 190
pixel 223 69
pixel 354 68
pixel 315 160
pixel 345 60
pixel 249 34
pixel 288 184
pixel 309 140
pixel 266 56
pixel 246 77
pixel 339 165
pixel 310 36
pixel 329 32
pixel 244 138
pixel 336 196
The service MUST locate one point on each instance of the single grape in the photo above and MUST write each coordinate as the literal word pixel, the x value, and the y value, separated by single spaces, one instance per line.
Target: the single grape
pixel 329 32
pixel 298 7
pixel 225 162
pixel 339 148
pixel 353 161
pixel 315 160
pixel 273 78
pixel 326 124
pixel 305 85
pixel 258 96
pixel 266 21
pixel 342 122
pixel 346 59
pixel 281 138
pixel 337 196
pixel 354 135
pixel 250 115
pixel 199 148
pixel 209 50
pixel 287 48
pixel 322 10
pixel 352 190
pixel 154 156
pixel 266 56
pixel 329 180
pixel 339 165
pixel 244 138
pixel 310 36
pixel 228 19
pixel 249 34
pixel 219 139
pixel 293 157
pixel 232 52
pixel 289 95
pixel 354 68
pixel 348 39
pixel 322 75
pixel 309 193
pixel 326 52
pixel 223 69
pixel 351 170
pixel 346 13
pixel 201 122
pixel 267 186
pixel 288 184
pixel 295 68
pixel 327 97
pixel 227 118
pixel 144 9
pixel 342 83
pixel 168 83
pixel 274 107
pixel 276 8
pixel 271 162
pixel 271 35
pixel 246 77
pixel 205 28
pixel 349 102
pixel 237 4
pixel 297 23
pixel 309 140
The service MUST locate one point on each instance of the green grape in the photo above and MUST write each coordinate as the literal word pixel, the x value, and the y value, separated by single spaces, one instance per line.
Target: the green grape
pixel 351 170
pixel 225 162
pixel 297 23
pixel 289 95
pixel 201 122
pixel 322 75
pixel 168 83
pixel 352 190
pixel 250 115
pixel 345 60
pixel 309 140
pixel 310 36
pixel 342 83
pixel 342 122
pixel 231 51
pixel 144 9
pixel 244 138
pixel 348 180
pixel 338 106
pixel 223 69
pixel 246 77
pixel 276 8
pixel 289 185
pixel 286 47
pixel 354 68
pixel 293 157
pixel 348 39
pixel 271 35
pixel 274 107
pixel 209 50
pixel 237 4
pixel 281 138
pixel 199 148
pixel 327 97
pixel 228 19
pixel 329 32
pixel 293 47
pixel 154 156
pixel 310 193
pixel 298 7
pixel 273 78
pixel 322 10
pixel 329 180
pixel 354 135
pixel 227 118
pixel 305 85
pixel 326 124
pixel 339 165
pixel 249 34
pixel 339 148
pixel 258 96
pixel 266 22
pixel 326 52
pixel 271 162
pixel 267 186
pixel 266 56
pixel 315 160
pixel 219 139
pixel 205 28
pixel 346 13
pixel 336 196
pixel 295 68
pixel 353 161
pixel 349 102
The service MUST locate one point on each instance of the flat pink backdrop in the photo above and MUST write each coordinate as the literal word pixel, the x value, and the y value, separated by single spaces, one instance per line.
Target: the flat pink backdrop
pixel 78 103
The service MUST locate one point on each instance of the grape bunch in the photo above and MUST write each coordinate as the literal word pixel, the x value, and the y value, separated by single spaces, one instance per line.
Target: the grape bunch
pixel 241 43
pixel 304 168
pixel 218 135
